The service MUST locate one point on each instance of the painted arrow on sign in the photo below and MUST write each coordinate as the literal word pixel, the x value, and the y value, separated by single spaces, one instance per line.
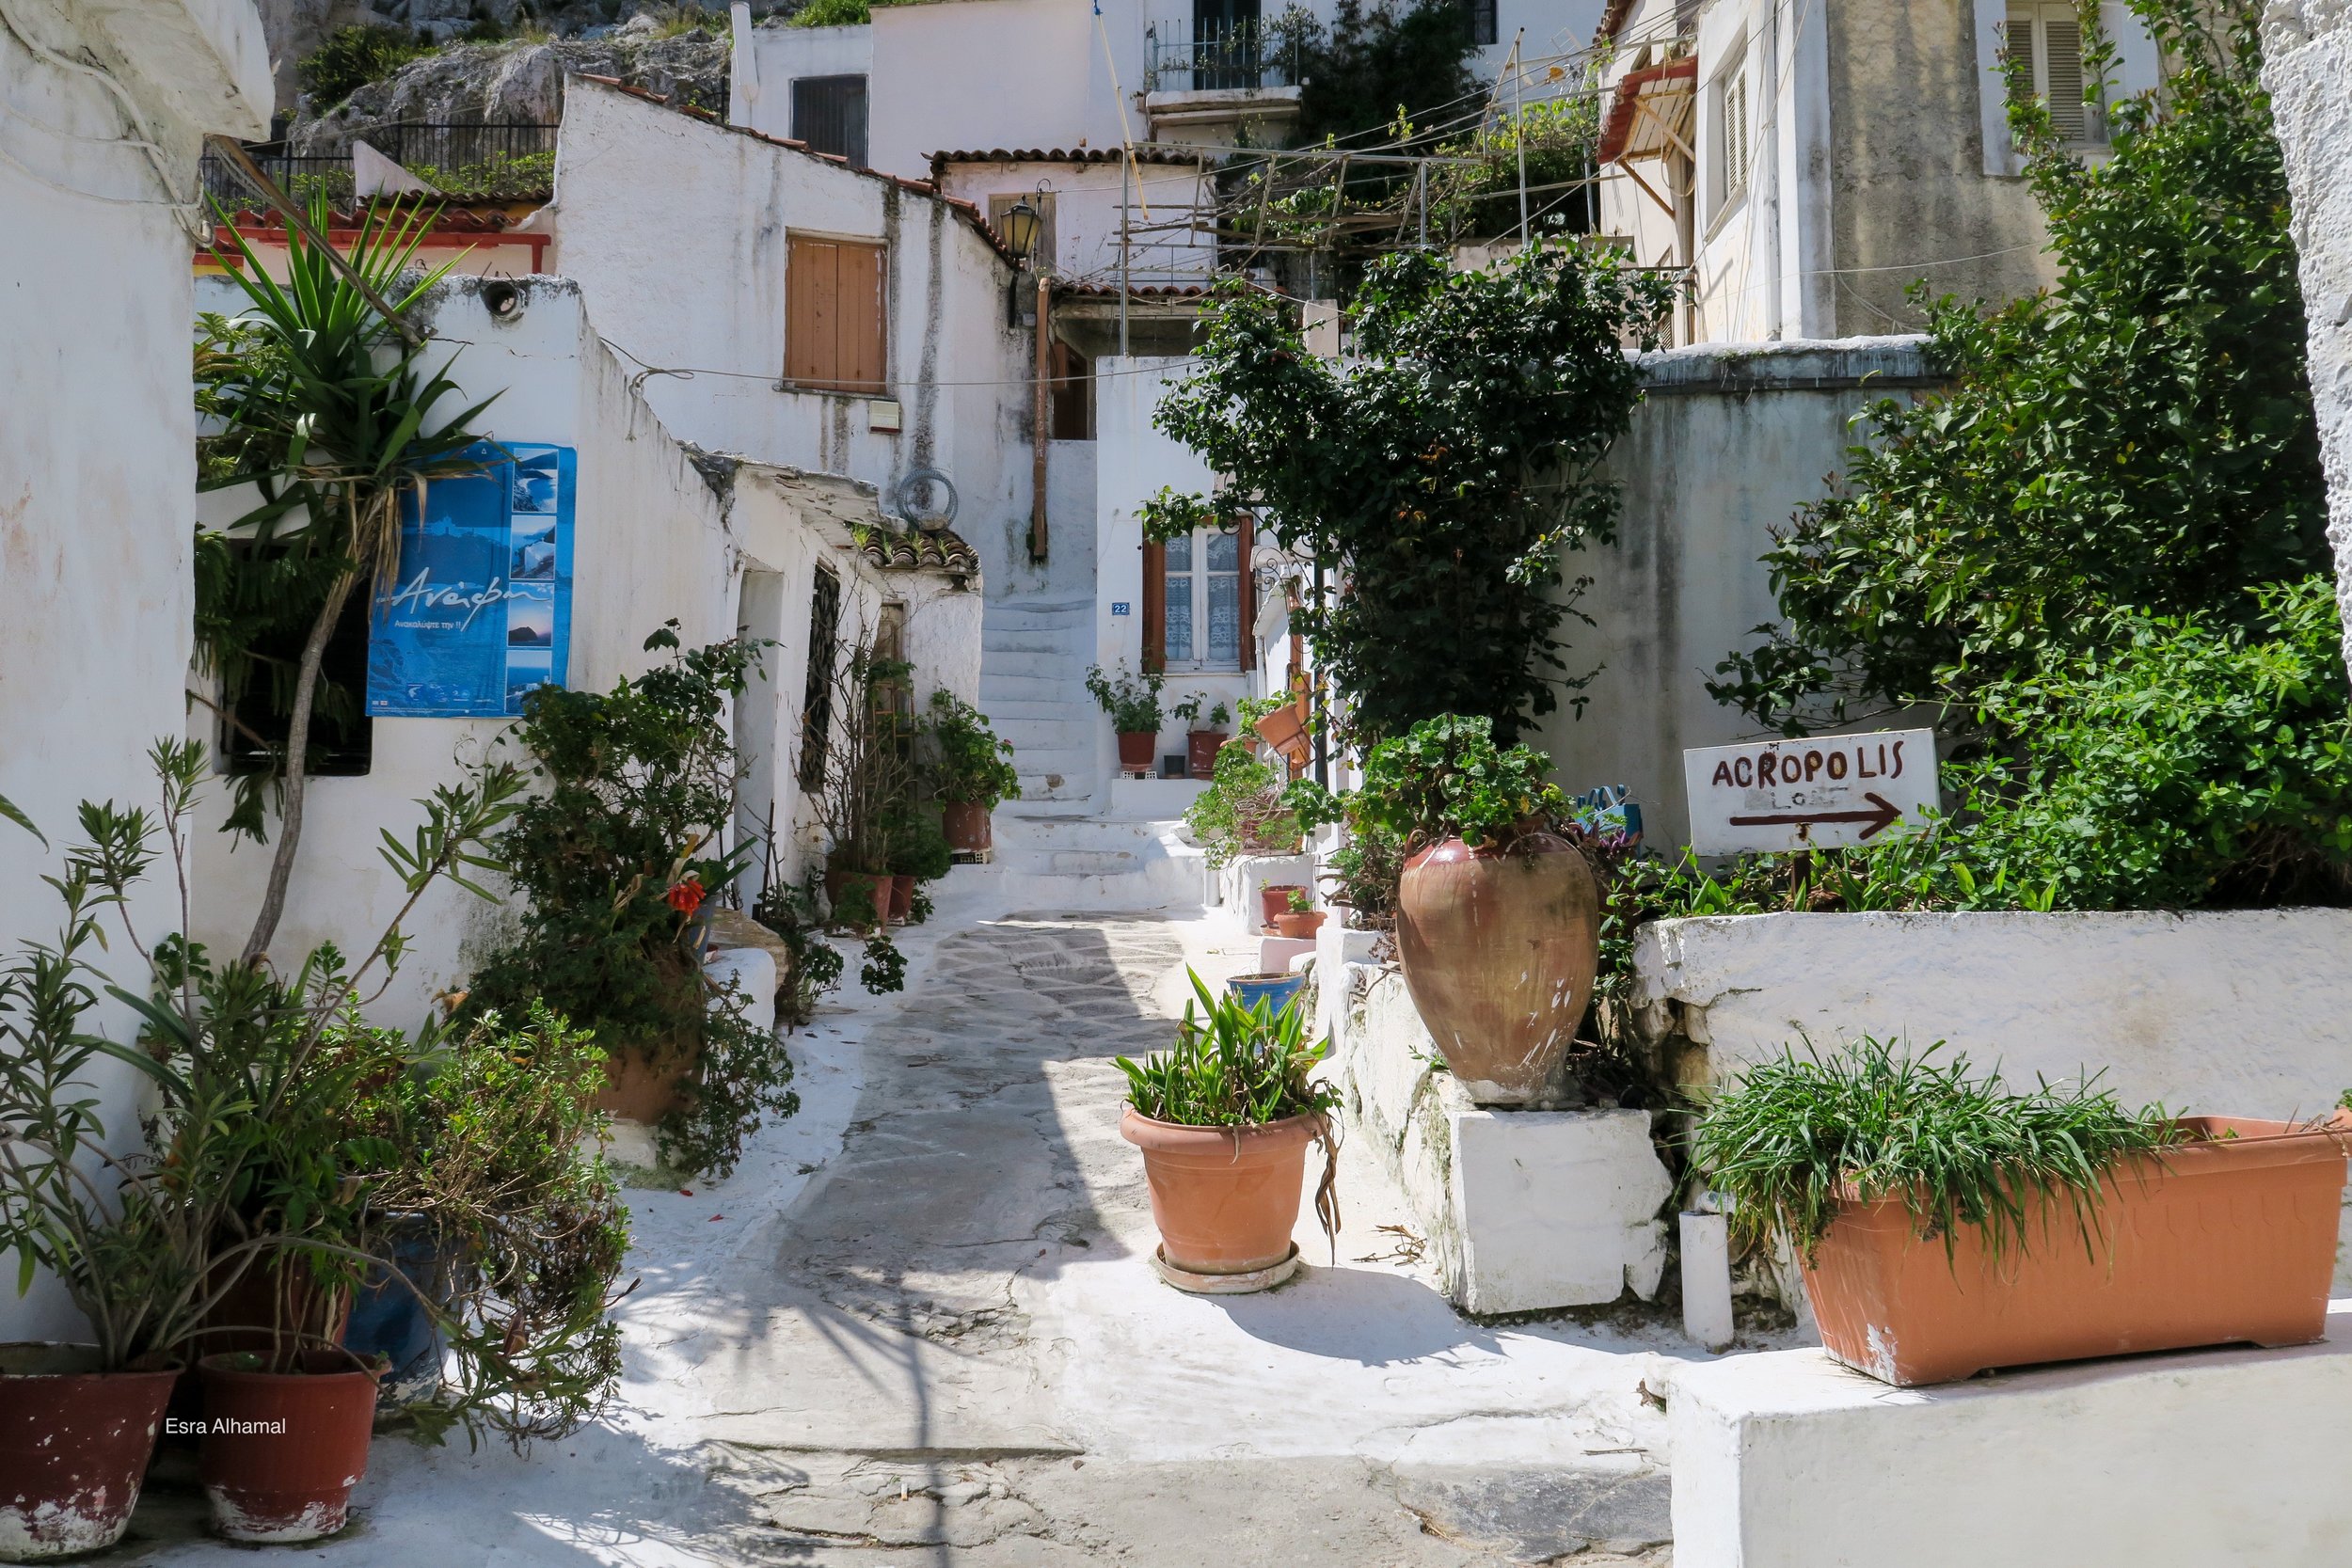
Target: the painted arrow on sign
pixel 1883 816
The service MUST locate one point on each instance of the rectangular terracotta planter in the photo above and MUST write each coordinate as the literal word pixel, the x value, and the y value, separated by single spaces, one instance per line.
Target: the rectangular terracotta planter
pixel 2231 1239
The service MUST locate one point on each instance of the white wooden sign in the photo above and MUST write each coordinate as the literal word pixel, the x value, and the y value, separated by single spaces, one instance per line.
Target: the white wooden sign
pixel 1825 792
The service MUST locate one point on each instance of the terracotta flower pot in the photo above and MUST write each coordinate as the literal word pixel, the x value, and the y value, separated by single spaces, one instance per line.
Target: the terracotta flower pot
pixel 1299 923
pixel 1499 950
pixel 1201 750
pixel 867 895
pixel 1137 748
pixel 282 1451
pixel 2224 1241
pixel 75 1445
pixel 967 825
pixel 1281 728
pixel 641 1085
pixel 901 898
pixel 1273 902
pixel 1225 1198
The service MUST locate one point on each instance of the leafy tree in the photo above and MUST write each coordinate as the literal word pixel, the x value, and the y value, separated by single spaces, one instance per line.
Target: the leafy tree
pixel 1441 474
pixel 2141 436
pixel 1368 67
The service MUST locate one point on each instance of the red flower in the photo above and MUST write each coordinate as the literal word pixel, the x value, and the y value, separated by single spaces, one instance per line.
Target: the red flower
pixel 686 896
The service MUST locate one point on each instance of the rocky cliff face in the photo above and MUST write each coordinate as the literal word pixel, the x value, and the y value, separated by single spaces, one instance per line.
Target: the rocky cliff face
pixel 518 81
pixel 604 36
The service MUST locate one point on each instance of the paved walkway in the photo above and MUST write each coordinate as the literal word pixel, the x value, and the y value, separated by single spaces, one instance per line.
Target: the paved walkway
pixel 919 1326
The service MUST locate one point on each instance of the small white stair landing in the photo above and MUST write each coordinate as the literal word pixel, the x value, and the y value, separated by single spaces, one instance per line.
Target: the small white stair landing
pixel 1052 856
pixel 1034 653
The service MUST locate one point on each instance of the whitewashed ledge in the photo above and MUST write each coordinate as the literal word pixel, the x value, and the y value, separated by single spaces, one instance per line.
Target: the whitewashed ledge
pixel 2227 1457
pixel 1522 1210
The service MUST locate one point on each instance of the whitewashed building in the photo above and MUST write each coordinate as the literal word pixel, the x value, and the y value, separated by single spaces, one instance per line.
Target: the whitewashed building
pixel 105 106
pixel 659 531
pixel 1807 161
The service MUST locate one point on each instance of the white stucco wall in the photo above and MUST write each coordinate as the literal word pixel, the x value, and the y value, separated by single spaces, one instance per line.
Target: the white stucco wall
pixel 986 73
pixel 2238 1013
pixel 97 445
pixel 2307 58
pixel 782 57
pixel 1729 439
pixel 676 229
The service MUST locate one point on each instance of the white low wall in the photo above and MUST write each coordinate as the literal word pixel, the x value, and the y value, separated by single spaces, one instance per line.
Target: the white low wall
pixel 2230 1457
pixel 2242 1013
pixel 1523 1211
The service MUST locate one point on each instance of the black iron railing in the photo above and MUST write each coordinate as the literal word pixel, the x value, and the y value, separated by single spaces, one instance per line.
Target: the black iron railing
pixel 511 158
pixel 1186 55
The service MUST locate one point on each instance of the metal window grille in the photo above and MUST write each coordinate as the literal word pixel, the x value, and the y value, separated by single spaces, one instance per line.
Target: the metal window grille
pixel 1486 25
pixel 824 631
pixel 829 114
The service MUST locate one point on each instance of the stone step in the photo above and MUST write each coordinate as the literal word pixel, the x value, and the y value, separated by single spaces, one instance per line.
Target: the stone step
pixel 1062 670
pixel 1003 710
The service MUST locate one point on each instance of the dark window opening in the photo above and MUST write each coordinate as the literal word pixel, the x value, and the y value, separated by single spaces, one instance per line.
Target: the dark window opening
pixel 829 114
pixel 1485 24
pixel 824 631
pixel 342 737
pixel 1072 389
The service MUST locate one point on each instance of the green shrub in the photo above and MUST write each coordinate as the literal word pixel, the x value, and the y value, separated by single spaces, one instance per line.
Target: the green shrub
pixel 967 762
pixel 614 861
pixel 1444 469
pixel 2141 435
pixel 1448 778
pixel 833 13
pixel 1242 812
pixel 919 849
pixel 1959 1149
pixel 351 57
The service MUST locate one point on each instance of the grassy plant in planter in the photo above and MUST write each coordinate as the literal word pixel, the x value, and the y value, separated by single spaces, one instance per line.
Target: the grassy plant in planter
pixel 1133 702
pixel 1224 1117
pixel 1945 1222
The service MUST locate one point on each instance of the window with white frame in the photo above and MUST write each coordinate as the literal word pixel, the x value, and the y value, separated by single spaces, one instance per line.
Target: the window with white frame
pixel 1204 606
pixel 1734 140
pixel 2048 40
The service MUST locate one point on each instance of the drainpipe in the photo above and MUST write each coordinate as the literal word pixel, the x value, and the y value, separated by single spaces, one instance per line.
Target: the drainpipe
pixel 1042 412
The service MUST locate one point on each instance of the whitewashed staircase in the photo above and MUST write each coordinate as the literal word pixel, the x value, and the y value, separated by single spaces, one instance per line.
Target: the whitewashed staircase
pixel 1034 655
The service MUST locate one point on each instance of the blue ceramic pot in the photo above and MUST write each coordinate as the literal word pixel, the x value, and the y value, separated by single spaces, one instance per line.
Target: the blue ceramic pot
pixel 1278 990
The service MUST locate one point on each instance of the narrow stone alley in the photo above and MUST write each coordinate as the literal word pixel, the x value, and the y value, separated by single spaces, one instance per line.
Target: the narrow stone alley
pixel 919 1325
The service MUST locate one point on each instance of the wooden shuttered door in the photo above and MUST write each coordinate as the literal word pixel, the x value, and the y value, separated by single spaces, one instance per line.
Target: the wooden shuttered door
pixel 834 333
pixel 1246 590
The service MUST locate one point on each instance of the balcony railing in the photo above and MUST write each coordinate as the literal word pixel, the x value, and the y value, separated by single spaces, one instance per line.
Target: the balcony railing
pixel 1186 56
pixel 511 158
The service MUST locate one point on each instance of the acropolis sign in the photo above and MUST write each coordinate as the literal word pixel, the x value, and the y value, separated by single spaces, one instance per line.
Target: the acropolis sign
pixel 1823 792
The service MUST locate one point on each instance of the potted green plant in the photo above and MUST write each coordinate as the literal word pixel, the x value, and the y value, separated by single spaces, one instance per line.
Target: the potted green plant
pixel 1498 920
pixel 244 1170
pixel 1365 867
pixel 1281 722
pixel 918 853
pixel 1300 919
pixel 1224 1119
pixel 1241 813
pixel 1133 702
pixel 1202 740
pixel 1946 1222
pixel 971 771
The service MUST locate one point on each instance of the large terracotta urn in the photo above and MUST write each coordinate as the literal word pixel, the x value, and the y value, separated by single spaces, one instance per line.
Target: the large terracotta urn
pixel 1500 949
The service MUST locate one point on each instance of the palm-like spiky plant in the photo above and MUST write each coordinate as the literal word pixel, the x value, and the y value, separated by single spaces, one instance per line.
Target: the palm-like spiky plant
pixel 327 403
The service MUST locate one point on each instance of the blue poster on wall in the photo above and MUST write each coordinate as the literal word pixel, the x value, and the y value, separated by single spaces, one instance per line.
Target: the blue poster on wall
pixel 480 608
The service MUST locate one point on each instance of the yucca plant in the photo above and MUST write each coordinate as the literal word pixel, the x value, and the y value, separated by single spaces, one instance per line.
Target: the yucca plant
pixel 325 403
pixel 1802 1137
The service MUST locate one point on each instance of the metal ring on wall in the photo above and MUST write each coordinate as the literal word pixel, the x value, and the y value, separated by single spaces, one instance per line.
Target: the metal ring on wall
pixel 911 486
